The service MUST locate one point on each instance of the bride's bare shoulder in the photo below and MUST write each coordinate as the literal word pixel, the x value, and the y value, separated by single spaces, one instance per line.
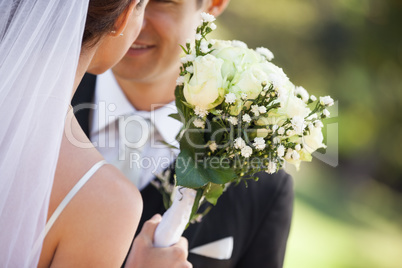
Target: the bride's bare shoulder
pixel 98 225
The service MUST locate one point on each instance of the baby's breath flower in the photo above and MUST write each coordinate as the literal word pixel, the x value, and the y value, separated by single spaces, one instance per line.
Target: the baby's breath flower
pixel 259 143
pixel 281 131
pixel 239 143
pixel 246 151
pixel 302 93
pixel 190 57
pixel 290 132
pixel 190 69
pixel 326 101
pixel 289 153
pixel 218 111
pixel 297 147
pixel 265 52
pixel 326 113
pixel 275 127
pixel 313 98
pixel 233 120
pixel 318 124
pixel 237 43
pixel 297 123
pixel 271 167
pixel 180 80
pixel 246 118
pixel 201 112
pixel 213 146
pixel 276 140
pixel 183 60
pixel 199 123
pixel 295 155
pixel 243 96
pixel 230 98
pixel 312 117
pixel 255 110
pixel 262 109
pixel 204 46
pixel 207 17
pixel 204 49
pixel 281 150
pixel 213 26
pixel 198 37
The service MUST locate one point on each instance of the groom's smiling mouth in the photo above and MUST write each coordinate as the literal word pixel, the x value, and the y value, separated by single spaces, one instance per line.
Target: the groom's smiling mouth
pixel 137 49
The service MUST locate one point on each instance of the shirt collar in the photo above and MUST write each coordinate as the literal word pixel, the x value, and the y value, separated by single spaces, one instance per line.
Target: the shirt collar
pixel 111 103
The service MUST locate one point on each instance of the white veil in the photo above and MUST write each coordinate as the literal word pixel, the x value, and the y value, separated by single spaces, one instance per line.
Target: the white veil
pixel 40 42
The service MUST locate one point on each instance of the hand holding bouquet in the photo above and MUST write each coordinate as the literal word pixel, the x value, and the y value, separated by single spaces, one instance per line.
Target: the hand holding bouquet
pixel 241 115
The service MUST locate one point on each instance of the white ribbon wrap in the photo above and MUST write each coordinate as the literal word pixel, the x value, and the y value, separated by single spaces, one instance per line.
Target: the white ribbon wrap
pixel 175 219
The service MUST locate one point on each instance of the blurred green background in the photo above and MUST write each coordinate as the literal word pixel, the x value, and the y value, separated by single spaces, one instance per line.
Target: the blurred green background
pixel 348 206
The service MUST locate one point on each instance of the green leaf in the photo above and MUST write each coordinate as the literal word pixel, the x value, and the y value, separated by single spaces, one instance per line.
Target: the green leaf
pixel 188 174
pixel 193 141
pixel 213 192
pixel 222 174
pixel 176 116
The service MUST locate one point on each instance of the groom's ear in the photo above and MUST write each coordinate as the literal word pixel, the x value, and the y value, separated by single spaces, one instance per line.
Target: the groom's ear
pixel 216 7
pixel 123 19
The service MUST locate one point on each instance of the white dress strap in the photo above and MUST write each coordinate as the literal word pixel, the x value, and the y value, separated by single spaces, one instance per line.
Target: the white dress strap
pixel 64 203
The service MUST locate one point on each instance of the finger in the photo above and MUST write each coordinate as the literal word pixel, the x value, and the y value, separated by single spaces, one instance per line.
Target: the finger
pixel 148 229
pixel 183 244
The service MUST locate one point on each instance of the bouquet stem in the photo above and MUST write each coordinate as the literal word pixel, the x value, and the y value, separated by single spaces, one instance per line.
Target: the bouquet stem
pixel 175 219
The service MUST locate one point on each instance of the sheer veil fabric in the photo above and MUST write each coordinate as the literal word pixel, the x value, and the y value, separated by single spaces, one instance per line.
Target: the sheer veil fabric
pixel 40 43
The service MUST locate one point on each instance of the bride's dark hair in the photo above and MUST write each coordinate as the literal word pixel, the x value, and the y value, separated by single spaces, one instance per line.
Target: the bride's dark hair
pixel 102 14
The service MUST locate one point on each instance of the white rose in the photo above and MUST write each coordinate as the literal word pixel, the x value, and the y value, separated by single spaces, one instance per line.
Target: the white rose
pixel 313 141
pixel 249 83
pixel 293 106
pixel 206 88
pixel 236 59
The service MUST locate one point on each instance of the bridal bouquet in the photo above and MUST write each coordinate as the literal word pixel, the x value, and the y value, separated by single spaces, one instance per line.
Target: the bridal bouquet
pixel 241 114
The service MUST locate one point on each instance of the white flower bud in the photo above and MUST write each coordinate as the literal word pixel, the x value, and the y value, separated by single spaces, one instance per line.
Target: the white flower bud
pixel 239 143
pixel 265 52
pixel 281 150
pixel 230 98
pixel 281 131
pixel 180 80
pixel 246 151
pixel 233 120
pixel 262 109
pixel 326 101
pixel 213 146
pixel 190 69
pixel 259 143
pixel 318 124
pixel 199 123
pixel 207 17
pixel 271 167
pixel 246 118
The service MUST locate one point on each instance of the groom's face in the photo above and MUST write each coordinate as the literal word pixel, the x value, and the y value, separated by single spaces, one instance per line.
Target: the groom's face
pixel 156 52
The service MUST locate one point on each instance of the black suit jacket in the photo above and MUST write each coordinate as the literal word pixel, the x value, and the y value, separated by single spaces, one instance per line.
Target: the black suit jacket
pixel 258 216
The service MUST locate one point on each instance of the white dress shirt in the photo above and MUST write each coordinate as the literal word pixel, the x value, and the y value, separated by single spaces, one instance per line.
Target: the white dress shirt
pixel 110 103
